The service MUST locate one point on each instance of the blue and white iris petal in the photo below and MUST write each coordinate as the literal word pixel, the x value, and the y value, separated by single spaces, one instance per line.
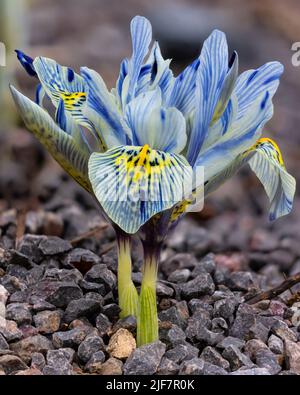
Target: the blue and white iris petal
pixel 206 116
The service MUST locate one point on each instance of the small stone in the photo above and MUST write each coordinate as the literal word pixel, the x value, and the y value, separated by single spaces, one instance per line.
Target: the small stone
pixel 90 345
pixel 193 366
pixel 95 296
pixel 241 281
pixel 41 305
pixel 15 287
pixel 179 261
pixel 210 369
pixel 65 275
pixel 225 308
pixel 26 347
pixel 282 330
pixel 201 285
pixel 197 330
pixel 182 352
pixel 38 361
pixel 100 274
pixel 82 259
pixel 219 324
pixel 47 322
pixel 11 364
pixel 28 330
pixel 259 331
pixel 245 319
pixel 266 359
pixel 251 372
pixel 145 359
pixel 92 287
pixel 81 308
pixel 52 224
pixel 174 335
pixel 71 338
pixel 10 331
pixel 3 343
pixel 207 264
pixel 3 295
pixel 176 315
pixel 29 372
pixel 29 246
pixel 163 290
pixel 167 367
pixel 19 312
pixel 179 276
pixel 253 346
pixel 200 305
pixel 275 344
pixel 53 245
pixel 58 363
pixel 112 366
pixel 103 324
pixel 128 323
pixel 95 363
pixel 277 308
pixel 236 358
pixel 112 311
pixel 231 341
pixel 64 294
pixel 121 344
pixel 211 355
pixel 292 355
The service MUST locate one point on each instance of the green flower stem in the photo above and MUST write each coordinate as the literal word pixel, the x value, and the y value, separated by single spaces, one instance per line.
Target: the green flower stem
pixel 128 296
pixel 147 321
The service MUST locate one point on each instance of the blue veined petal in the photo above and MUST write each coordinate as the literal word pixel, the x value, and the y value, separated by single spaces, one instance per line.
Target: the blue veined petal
pixel 161 128
pixel 57 79
pixel 121 78
pixel 266 161
pixel 182 94
pixel 39 95
pixel 222 125
pixel 155 73
pixel 209 81
pixel 161 75
pixel 253 83
pixel 62 83
pixel 71 155
pixel 102 111
pixel 279 185
pixel 242 135
pixel 227 88
pixel 141 34
pixel 134 183
pixel 27 62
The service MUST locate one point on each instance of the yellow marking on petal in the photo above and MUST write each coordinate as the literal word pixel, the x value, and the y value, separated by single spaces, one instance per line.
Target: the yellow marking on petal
pixel 72 100
pixel 273 143
pixel 143 154
pixel 272 149
pixel 180 209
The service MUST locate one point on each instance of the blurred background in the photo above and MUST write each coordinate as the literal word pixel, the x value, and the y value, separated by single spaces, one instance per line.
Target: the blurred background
pixel 95 33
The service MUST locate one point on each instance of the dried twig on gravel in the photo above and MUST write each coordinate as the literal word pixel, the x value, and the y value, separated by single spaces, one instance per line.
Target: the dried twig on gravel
pixel 88 234
pixel 21 221
pixel 273 292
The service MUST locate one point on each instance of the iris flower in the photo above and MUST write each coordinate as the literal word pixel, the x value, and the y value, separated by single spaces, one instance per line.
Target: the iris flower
pixel 136 147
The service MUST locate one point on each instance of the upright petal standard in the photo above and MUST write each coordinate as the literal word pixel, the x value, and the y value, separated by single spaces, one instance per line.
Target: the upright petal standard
pixel 138 147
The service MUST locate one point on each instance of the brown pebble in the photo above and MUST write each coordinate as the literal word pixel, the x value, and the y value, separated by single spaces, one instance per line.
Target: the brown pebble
pixel 121 344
